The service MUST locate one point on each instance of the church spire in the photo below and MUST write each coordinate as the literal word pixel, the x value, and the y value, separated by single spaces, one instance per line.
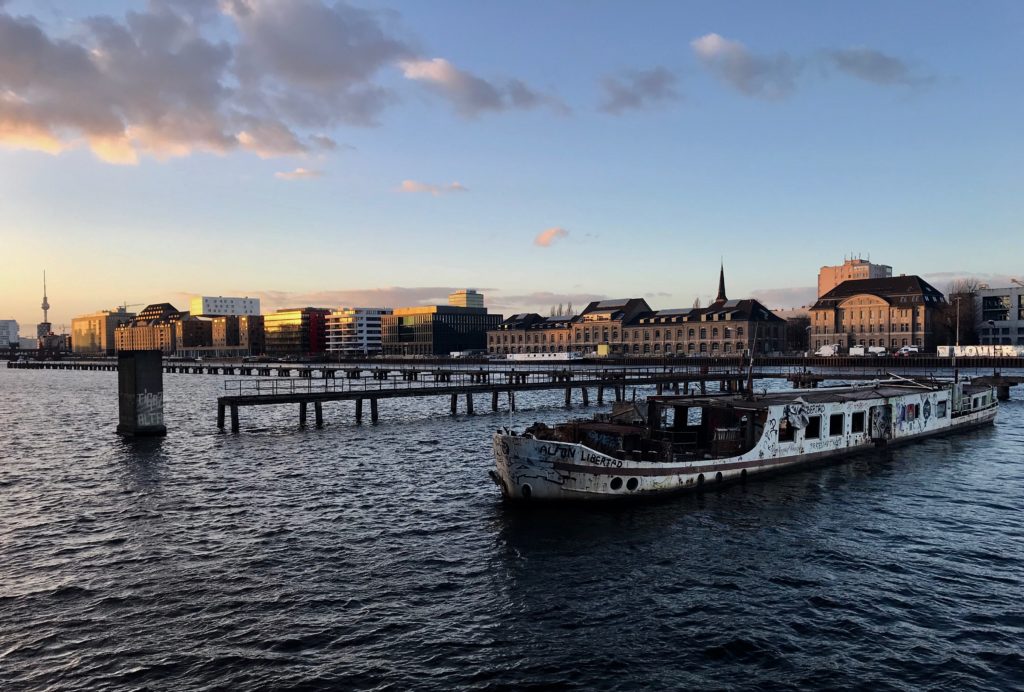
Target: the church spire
pixel 721 285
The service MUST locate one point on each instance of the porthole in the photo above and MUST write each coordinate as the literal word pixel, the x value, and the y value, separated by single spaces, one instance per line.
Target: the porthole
pixel 632 484
pixel 616 483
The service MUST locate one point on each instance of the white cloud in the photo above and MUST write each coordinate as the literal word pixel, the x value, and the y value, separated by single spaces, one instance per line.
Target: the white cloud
pixel 753 75
pixel 638 89
pixel 435 190
pixel 472 95
pixel 546 238
pixel 298 174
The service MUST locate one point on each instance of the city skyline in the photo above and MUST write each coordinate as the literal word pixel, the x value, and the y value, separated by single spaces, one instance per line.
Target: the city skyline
pixel 542 153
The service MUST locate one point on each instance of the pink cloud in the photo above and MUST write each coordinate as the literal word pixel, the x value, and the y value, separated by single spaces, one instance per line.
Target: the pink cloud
pixel 414 186
pixel 545 238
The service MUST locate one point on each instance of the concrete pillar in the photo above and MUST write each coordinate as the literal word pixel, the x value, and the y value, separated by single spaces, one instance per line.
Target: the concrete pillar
pixel 318 411
pixel 512 401
pixel 600 395
pixel 140 388
pixel 373 411
pixel 586 396
pixel 469 403
pixel 302 414
pixel 359 411
pixel 220 415
pixel 455 404
pixel 494 400
pixel 568 397
pixel 234 417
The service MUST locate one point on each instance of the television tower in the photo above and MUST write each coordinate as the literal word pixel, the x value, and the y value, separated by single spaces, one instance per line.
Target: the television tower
pixel 46 303
pixel 44 328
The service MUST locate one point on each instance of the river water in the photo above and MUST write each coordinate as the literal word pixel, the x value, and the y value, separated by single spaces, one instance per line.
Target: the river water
pixel 381 557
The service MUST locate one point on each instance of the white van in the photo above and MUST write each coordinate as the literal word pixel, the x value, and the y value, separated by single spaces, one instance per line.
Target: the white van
pixel 877 351
pixel 828 350
pixel 907 351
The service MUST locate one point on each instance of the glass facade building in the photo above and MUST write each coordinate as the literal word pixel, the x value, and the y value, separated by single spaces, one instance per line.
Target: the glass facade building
pixel 296 332
pixel 436 330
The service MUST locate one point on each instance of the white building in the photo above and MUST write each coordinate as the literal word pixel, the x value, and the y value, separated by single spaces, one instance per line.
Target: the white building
pixel 466 298
pixel 1000 315
pixel 8 333
pixel 221 306
pixel 355 331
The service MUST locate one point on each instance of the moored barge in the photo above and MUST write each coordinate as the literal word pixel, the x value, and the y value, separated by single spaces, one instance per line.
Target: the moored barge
pixel 673 443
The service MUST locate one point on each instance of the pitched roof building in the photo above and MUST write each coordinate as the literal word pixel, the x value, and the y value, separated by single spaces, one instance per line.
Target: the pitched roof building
pixel 628 326
pixel 891 312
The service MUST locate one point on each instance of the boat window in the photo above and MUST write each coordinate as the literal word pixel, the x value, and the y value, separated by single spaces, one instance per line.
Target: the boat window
pixel 813 429
pixel 835 424
pixel 940 409
pixel 786 430
pixel 857 422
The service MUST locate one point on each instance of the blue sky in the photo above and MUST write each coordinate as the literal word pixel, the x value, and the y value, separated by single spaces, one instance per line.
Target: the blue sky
pixel 660 137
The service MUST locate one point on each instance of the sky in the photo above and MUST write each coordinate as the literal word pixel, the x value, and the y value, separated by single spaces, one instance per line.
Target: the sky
pixel 313 152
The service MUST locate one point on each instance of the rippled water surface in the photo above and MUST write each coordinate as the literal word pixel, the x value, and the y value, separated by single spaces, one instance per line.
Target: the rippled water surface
pixel 381 557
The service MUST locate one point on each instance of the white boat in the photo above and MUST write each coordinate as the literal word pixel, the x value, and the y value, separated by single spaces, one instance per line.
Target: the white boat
pixel 675 443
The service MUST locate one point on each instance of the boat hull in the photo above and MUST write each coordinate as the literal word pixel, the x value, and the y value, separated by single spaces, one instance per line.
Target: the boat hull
pixel 544 470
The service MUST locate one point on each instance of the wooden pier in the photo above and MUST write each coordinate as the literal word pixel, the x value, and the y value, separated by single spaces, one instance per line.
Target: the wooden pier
pixel 465 384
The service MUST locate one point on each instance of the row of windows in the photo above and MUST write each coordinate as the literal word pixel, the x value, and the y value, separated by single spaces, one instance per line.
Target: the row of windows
pixel 637 334
pixel 837 423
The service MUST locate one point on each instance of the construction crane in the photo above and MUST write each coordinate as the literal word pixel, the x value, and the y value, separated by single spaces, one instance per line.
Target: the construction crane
pixel 125 305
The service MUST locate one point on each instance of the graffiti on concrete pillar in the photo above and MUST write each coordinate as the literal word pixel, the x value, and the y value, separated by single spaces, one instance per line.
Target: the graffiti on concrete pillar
pixel 149 409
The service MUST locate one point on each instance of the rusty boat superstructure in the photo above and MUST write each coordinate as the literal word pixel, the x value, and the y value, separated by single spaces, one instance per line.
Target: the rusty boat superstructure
pixel 672 443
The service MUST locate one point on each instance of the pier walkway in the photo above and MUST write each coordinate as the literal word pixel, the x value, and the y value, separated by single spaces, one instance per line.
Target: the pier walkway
pixel 465 383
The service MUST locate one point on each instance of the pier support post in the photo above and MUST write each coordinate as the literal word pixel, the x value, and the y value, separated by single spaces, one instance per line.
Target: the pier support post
pixel 675 388
pixel 359 411
pixel 658 388
pixel 373 411
pixel 302 414
pixel 318 411
pixel 1003 392
pixel 618 393
pixel 140 389
pixel 512 400
pixel 220 415
pixel 586 396
pixel 494 400
pixel 455 404
pixel 600 395
pixel 234 417
pixel 703 387
pixel 568 397
pixel 469 403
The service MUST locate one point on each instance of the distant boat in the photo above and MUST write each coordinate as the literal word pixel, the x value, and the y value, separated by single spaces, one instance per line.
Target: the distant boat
pixel 545 357
pixel 674 443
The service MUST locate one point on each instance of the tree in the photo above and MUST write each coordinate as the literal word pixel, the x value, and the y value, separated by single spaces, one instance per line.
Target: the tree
pixel 962 292
pixel 797 336
pixel 696 303
pixel 569 310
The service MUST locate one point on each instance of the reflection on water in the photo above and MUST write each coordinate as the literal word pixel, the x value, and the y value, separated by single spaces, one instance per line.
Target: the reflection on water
pixel 360 557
